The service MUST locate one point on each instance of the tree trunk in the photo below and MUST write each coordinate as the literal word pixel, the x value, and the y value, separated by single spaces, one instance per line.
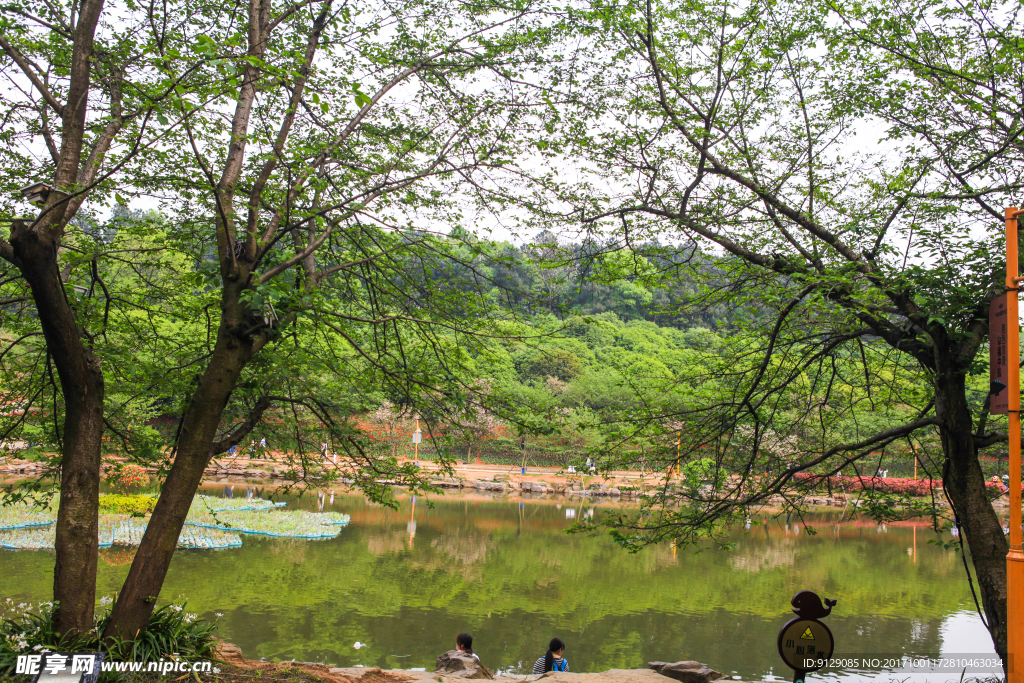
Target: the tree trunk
pixel 199 426
pixel 964 482
pixel 81 380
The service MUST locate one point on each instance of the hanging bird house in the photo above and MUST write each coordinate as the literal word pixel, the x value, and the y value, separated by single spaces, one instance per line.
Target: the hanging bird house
pixel 36 193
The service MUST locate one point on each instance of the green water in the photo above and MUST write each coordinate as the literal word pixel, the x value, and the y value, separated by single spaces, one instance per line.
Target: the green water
pixel 507 573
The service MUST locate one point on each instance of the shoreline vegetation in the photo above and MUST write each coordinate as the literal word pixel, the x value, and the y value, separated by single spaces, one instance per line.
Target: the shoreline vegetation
pixel 834 491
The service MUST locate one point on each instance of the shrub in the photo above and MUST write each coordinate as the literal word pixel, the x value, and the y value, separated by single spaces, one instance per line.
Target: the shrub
pixel 171 629
pixel 906 487
pixel 126 477
pixel 896 485
pixel 118 504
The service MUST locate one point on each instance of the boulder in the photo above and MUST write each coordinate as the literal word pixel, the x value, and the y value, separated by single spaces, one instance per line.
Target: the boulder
pixel 354 671
pixel 455 663
pixel 687 671
pixel 228 652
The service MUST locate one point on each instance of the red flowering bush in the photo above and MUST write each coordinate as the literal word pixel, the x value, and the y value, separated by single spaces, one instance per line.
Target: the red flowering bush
pixel 127 477
pixel 907 487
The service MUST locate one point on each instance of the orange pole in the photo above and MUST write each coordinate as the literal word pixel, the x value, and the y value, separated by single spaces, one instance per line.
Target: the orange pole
pixel 1015 558
pixel 679 449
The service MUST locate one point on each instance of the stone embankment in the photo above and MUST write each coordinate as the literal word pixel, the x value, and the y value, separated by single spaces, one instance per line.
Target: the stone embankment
pixel 621 486
pixel 504 484
pixel 452 671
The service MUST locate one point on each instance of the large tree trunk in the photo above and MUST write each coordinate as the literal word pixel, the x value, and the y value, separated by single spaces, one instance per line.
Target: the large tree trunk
pixel 34 246
pixel 199 426
pixel 964 482
pixel 81 379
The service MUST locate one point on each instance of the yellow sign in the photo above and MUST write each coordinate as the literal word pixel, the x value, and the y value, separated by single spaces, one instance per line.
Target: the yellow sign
pixel 805 644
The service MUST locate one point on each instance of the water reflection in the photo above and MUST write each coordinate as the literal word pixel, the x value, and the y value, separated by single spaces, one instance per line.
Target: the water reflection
pixel 402 583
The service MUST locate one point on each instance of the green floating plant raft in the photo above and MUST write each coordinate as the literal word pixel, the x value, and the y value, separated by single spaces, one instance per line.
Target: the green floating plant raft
pixel 212 523
pixel 118 530
pixel 280 523
pixel 23 516
pixel 209 503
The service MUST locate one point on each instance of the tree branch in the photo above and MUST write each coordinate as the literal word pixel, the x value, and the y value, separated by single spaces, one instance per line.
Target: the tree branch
pixel 241 430
pixel 26 67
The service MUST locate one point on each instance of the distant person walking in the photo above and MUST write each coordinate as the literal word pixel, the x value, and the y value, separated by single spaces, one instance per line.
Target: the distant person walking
pixel 552 660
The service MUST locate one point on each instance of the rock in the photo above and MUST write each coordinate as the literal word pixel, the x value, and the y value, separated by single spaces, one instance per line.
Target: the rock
pixel 228 652
pixel 614 492
pixel 535 487
pixel 610 676
pixel 688 664
pixel 455 663
pixel 354 672
pixel 687 671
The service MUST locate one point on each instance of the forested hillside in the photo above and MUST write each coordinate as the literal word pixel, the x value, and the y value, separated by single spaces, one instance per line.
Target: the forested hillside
pixel 597 351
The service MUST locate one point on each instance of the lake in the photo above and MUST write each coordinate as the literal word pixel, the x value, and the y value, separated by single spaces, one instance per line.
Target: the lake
pixel 406 582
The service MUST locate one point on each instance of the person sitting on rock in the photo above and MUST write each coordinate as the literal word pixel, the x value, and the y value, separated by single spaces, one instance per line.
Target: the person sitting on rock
pixel 464 644
pixel 552 660
pixel 462 662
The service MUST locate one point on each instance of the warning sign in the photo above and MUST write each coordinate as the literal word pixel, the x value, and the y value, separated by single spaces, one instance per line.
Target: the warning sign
pixel 805 644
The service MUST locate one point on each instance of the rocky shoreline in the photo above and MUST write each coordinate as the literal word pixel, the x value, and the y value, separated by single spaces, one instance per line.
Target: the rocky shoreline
pixel 657 672
pixel 623 486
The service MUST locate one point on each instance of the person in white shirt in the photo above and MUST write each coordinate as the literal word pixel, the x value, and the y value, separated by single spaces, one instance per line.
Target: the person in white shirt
pixel 464 644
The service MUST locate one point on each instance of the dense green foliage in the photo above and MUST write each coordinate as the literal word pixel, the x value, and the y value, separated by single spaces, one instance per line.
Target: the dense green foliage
pixel 136 506
pixel 756 295
pixel 29 628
